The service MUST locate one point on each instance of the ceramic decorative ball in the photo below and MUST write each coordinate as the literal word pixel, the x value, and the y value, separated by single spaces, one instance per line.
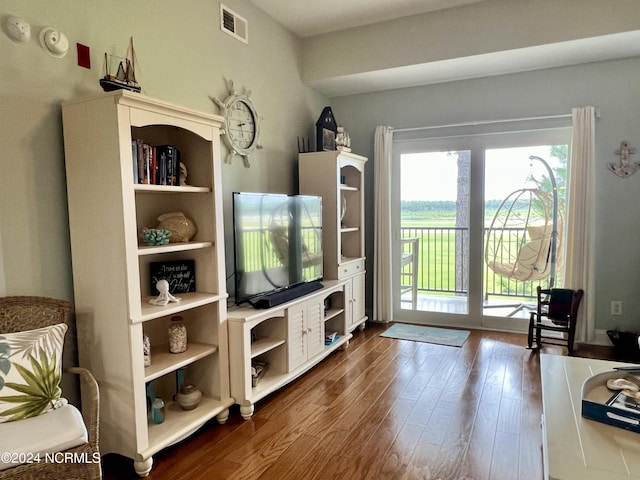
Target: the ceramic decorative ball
pixel 182 228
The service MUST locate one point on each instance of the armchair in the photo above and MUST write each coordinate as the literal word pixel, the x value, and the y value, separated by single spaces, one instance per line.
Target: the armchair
pixel 66 446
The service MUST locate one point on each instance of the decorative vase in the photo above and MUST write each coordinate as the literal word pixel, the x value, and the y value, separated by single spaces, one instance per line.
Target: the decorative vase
pixel 182 229
pixel 177 336
pixel 157 411
pixel 189 397
pixel 146 349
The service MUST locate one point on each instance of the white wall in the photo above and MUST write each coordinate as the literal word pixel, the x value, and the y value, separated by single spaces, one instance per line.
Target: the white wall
pixel 611 86
pixel 184 58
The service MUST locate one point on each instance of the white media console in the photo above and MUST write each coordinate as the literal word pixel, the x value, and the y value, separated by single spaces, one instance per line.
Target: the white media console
pixel 283 342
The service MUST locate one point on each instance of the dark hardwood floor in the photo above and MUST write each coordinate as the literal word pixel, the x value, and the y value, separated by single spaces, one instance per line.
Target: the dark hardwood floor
pixel 383 409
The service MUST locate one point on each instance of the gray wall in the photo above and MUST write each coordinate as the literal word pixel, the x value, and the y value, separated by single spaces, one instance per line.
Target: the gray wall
pixel 611 86
pixel 184 58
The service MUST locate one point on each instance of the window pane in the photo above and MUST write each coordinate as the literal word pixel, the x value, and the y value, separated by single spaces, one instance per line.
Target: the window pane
pixel 434 207
pixel 522 223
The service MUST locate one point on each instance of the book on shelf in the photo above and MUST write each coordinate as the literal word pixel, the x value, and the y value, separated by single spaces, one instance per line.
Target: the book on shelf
pixel 155 164
pixel 146 164
pixel 134 156
pixel 169 165
pixel 139 159
pixel 330 337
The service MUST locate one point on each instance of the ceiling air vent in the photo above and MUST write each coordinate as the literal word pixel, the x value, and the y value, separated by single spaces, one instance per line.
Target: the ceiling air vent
pixel 233 24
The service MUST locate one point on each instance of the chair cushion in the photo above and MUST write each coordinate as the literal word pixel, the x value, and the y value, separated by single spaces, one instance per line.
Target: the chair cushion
pixel 30 372
pixel 560 304
pixel 55 431
pixel 539 232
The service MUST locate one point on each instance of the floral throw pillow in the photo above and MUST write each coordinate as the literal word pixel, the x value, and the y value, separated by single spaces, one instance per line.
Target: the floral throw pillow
pixel 30 372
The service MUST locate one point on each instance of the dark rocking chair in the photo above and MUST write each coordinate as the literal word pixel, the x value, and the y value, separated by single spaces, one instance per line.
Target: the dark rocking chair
pixel 557 311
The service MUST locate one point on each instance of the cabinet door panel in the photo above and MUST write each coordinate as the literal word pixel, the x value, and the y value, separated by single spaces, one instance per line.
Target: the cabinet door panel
pixel 358 298
pixel 297 343
pixel 315 327
pixel 348 302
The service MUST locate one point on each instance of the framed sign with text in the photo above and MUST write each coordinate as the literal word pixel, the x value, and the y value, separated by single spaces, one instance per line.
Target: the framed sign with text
pixel 180 274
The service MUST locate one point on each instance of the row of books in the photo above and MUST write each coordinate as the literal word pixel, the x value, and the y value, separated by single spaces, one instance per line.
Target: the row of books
pixel 155 164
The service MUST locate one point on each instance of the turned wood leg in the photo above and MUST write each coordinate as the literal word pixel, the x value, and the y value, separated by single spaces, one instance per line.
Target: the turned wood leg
pixel 143 467
pixel 223 416
pixel 344 346
pixel 246 411
pixel 361 327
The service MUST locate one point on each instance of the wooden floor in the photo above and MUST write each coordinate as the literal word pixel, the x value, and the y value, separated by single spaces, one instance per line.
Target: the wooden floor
pixel 383 409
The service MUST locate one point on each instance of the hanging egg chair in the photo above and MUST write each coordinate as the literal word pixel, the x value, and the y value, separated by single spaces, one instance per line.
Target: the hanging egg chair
pixel 522 240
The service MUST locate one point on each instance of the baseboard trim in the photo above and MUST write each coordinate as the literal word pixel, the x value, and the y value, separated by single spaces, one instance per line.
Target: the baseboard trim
pixel 601 338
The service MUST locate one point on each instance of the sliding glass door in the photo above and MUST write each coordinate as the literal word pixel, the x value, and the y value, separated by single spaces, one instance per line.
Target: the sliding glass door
pixel 465 207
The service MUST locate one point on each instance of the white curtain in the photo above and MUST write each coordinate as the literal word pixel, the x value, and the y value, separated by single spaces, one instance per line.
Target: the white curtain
pixel 580 229
pixel 382 288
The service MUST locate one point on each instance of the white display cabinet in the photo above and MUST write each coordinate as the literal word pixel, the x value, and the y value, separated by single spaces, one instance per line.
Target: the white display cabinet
pixel 338 177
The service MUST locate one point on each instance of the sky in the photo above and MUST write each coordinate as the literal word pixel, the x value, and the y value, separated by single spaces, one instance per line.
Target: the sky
pixel 433 175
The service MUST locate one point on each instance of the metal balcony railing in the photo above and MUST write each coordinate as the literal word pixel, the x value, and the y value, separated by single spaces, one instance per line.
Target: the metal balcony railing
pixel 443 264
pixel 442 261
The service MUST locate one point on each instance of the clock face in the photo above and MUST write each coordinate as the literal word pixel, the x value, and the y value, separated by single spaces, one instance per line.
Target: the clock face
pixel 241 125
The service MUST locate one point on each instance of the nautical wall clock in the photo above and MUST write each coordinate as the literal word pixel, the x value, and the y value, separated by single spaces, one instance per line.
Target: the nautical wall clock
pixel 241 123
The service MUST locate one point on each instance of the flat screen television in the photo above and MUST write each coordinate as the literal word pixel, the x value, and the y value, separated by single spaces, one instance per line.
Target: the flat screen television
pixel 277 247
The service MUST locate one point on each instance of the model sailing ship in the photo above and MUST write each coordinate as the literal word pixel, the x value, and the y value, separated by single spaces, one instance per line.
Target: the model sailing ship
pixel 125 76
pixel 343 140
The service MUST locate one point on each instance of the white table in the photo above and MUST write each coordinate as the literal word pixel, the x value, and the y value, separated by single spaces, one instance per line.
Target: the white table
pixel 575 447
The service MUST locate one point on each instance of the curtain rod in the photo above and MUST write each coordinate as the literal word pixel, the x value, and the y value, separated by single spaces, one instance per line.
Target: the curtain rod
pixel 488 122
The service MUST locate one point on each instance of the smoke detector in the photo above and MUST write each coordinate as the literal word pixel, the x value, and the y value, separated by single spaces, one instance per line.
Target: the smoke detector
pixel 17 29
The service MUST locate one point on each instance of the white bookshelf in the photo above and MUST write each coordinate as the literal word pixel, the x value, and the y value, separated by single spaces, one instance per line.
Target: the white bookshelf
pixel 107 212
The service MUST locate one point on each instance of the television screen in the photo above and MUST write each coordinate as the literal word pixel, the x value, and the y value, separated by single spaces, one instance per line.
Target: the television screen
pixel 277 240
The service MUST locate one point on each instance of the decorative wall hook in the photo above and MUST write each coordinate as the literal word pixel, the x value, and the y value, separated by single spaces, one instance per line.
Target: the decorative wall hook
pixel 625 167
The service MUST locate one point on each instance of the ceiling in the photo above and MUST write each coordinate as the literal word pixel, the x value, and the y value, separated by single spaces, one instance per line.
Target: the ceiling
pixel 310 18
